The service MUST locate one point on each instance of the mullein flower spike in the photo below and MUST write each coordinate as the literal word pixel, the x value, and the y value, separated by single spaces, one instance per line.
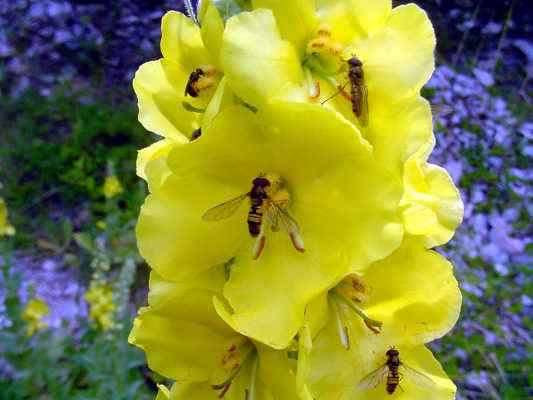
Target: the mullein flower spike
pixel 291 207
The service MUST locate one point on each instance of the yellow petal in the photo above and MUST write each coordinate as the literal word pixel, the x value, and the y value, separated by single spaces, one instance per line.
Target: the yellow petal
pixel 193 391
pixel 305 346
pixel 317 314
pixel 212 30
pixel 155 151
pixel 354 18
pixel 414 293
pixel 159 86
pixel 181 41
pixel 223 98
pixel 334 376
pixel 182 335
pixel 432 204
pixel 275 371
pixel 296 20
pixel 171 234
pixel 397 130
pixel 258 63
pixel 398 60
pixel 323 161
pixel 328 164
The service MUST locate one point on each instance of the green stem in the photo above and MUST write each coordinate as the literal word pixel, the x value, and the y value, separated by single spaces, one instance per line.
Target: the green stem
pixel 459 51
pixel 504 35
pixel 191 108
pixel 190 11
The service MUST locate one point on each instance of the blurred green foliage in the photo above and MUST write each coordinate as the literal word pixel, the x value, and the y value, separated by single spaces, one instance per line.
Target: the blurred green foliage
pixel 55 364
pixel 56 150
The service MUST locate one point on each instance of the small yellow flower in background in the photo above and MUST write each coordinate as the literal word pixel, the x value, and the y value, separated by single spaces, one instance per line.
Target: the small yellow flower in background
pixel 5 227
pixel 101 224
pixel 112 187
pixel 33 314
pixel 102 308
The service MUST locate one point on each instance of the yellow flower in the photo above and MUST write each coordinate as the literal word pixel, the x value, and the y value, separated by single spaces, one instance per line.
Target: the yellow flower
pixel 112 187
pixel 5 227
pixel 100 224
pixel 415 297
pixel 431 204
pixel 396 49
pixel 184 339
pixel 189 77
pixel 343 201
pixel 102 308
pixel 33 314
pixel 301 42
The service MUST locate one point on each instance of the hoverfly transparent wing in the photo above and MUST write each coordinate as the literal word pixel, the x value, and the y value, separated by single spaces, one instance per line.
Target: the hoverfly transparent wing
pixel 224 210
pixel 417 377
pixel 273 219
pixel 288 223
pixel 440 110
pixel 363 118
pixel 374 378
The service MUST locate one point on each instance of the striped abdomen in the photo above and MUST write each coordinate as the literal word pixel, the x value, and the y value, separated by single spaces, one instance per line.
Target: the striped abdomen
pixel 255 217
pixel 356 91
pixel 393 379
pixel 357 80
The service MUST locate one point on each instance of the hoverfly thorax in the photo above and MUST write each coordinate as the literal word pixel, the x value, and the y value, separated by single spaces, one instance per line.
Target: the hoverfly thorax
pixel 269 201
pixel 201 80
pixel 392 353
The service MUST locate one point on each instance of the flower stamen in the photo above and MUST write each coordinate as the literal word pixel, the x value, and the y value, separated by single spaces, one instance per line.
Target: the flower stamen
pixel 232 361
pixel 313 85
pixel 323 43
pixel 349 291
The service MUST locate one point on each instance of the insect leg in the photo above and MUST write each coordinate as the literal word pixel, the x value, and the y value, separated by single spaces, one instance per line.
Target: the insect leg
pixel 340 90
pixel 259 245
pixel 315 92
pixel 297 240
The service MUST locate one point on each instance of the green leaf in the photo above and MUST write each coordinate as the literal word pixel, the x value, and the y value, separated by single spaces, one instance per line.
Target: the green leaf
pixel 229 8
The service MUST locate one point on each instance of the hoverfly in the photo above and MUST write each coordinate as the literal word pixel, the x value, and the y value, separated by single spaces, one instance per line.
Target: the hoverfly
pixel 358 91
pixel 199 79
pixel 266 200
pixel 392 372
pixel 194 77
